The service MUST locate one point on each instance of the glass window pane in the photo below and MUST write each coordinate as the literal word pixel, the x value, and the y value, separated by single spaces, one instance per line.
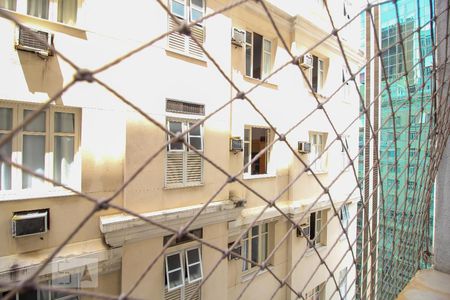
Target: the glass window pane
pixel 193 256
pixel 195 131
pixel 38 8
pixel 246 135
pixel 64 122
pixel 63 159
pixel 38 123
pixel 8 4
pixel 5 118
pixel 176 127
pixel 198 3
pixel 195 272
pixel 267 46
pixel 33 159
pixel 175 279
pixel 248 37
pixel 255 230
pixel 248 60
pixel 267 63
pixel 196 142
pixel 28 295
pixel 264 246
pixel 173 262
pixel 196 14
pixel 178 8
pixel 265 227
pixel 255 249
pixel 245 254
pixel 5 169
pixel 67 11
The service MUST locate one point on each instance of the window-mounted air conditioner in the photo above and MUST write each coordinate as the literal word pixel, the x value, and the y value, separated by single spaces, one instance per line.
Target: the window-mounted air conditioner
pixel 304 147
pixel 34 40
pixel 306 61
pixel 238 37
pixel 236 144
pixel 25 224
pixel 304 230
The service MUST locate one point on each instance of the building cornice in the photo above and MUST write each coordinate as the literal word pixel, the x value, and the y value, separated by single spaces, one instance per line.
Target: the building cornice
pixel 306 28
pixel 121 228
pixel 17 267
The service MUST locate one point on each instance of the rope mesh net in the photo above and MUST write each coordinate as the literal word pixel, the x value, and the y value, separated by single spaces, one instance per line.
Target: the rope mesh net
pixel 405 117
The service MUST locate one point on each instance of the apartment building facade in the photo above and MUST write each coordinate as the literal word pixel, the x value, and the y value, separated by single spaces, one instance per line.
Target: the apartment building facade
pixel 91 141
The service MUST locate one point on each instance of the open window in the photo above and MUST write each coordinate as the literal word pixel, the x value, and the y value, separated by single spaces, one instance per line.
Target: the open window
pixel 183 268
pixel 258 55
pixel 255 140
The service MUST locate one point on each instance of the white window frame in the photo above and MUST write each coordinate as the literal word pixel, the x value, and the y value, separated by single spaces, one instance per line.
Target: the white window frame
pixel 345 216
pixel 319 234
pixel 188 7
pixel 181 268
pixel 263 250
pixel 22 8
pixel 185 125
pixel 248 143
pixel 318 151
pixel 263 60
pixel 320 74
pixel 317 293
pixel 192 6
pixel 186 152
pixel 184 267
pixel 46 189
pixel 343 274
pixel 193 264
pixel 345 146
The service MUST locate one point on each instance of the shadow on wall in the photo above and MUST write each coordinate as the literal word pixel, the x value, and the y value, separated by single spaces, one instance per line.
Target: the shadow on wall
pixel 42 74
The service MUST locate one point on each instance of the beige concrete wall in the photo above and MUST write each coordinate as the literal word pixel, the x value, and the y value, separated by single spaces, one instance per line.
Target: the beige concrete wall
pixel 138 255
pixel 115 140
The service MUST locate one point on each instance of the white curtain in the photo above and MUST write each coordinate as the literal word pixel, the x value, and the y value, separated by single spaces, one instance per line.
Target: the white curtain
pixel 67 11
pixel 38 8
pixel 5 169
pixel 63 159
pixel 33 159
pixel 8 4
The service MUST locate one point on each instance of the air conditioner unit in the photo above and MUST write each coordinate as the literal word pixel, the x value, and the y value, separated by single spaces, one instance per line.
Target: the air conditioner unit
pixel 238 37
pixel 304 147
pixel 306 61
pixel 25 224
pixel 236 144
pixel 305 230
pixel 34 40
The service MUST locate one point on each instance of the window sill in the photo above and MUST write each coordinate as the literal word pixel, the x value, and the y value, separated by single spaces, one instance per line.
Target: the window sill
pixel 186 56
pixel 45 24
pixel 34 194
pixel 260 176
pixel 267 84
pixel 318 172
pixel 250 273
pixel 182 186
pixel 310 251
pixel 320 96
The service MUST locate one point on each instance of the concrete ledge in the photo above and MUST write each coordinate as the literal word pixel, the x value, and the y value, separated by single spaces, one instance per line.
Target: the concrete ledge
pixel 427 284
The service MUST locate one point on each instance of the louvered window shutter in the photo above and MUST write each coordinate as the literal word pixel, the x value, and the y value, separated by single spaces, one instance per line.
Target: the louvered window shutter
pixel 183 43
pixel 172 295
pixel 174 168
pixel 176 41
pixel 192 291
pixel 184 167
pixel 194 168
pixel 198 32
